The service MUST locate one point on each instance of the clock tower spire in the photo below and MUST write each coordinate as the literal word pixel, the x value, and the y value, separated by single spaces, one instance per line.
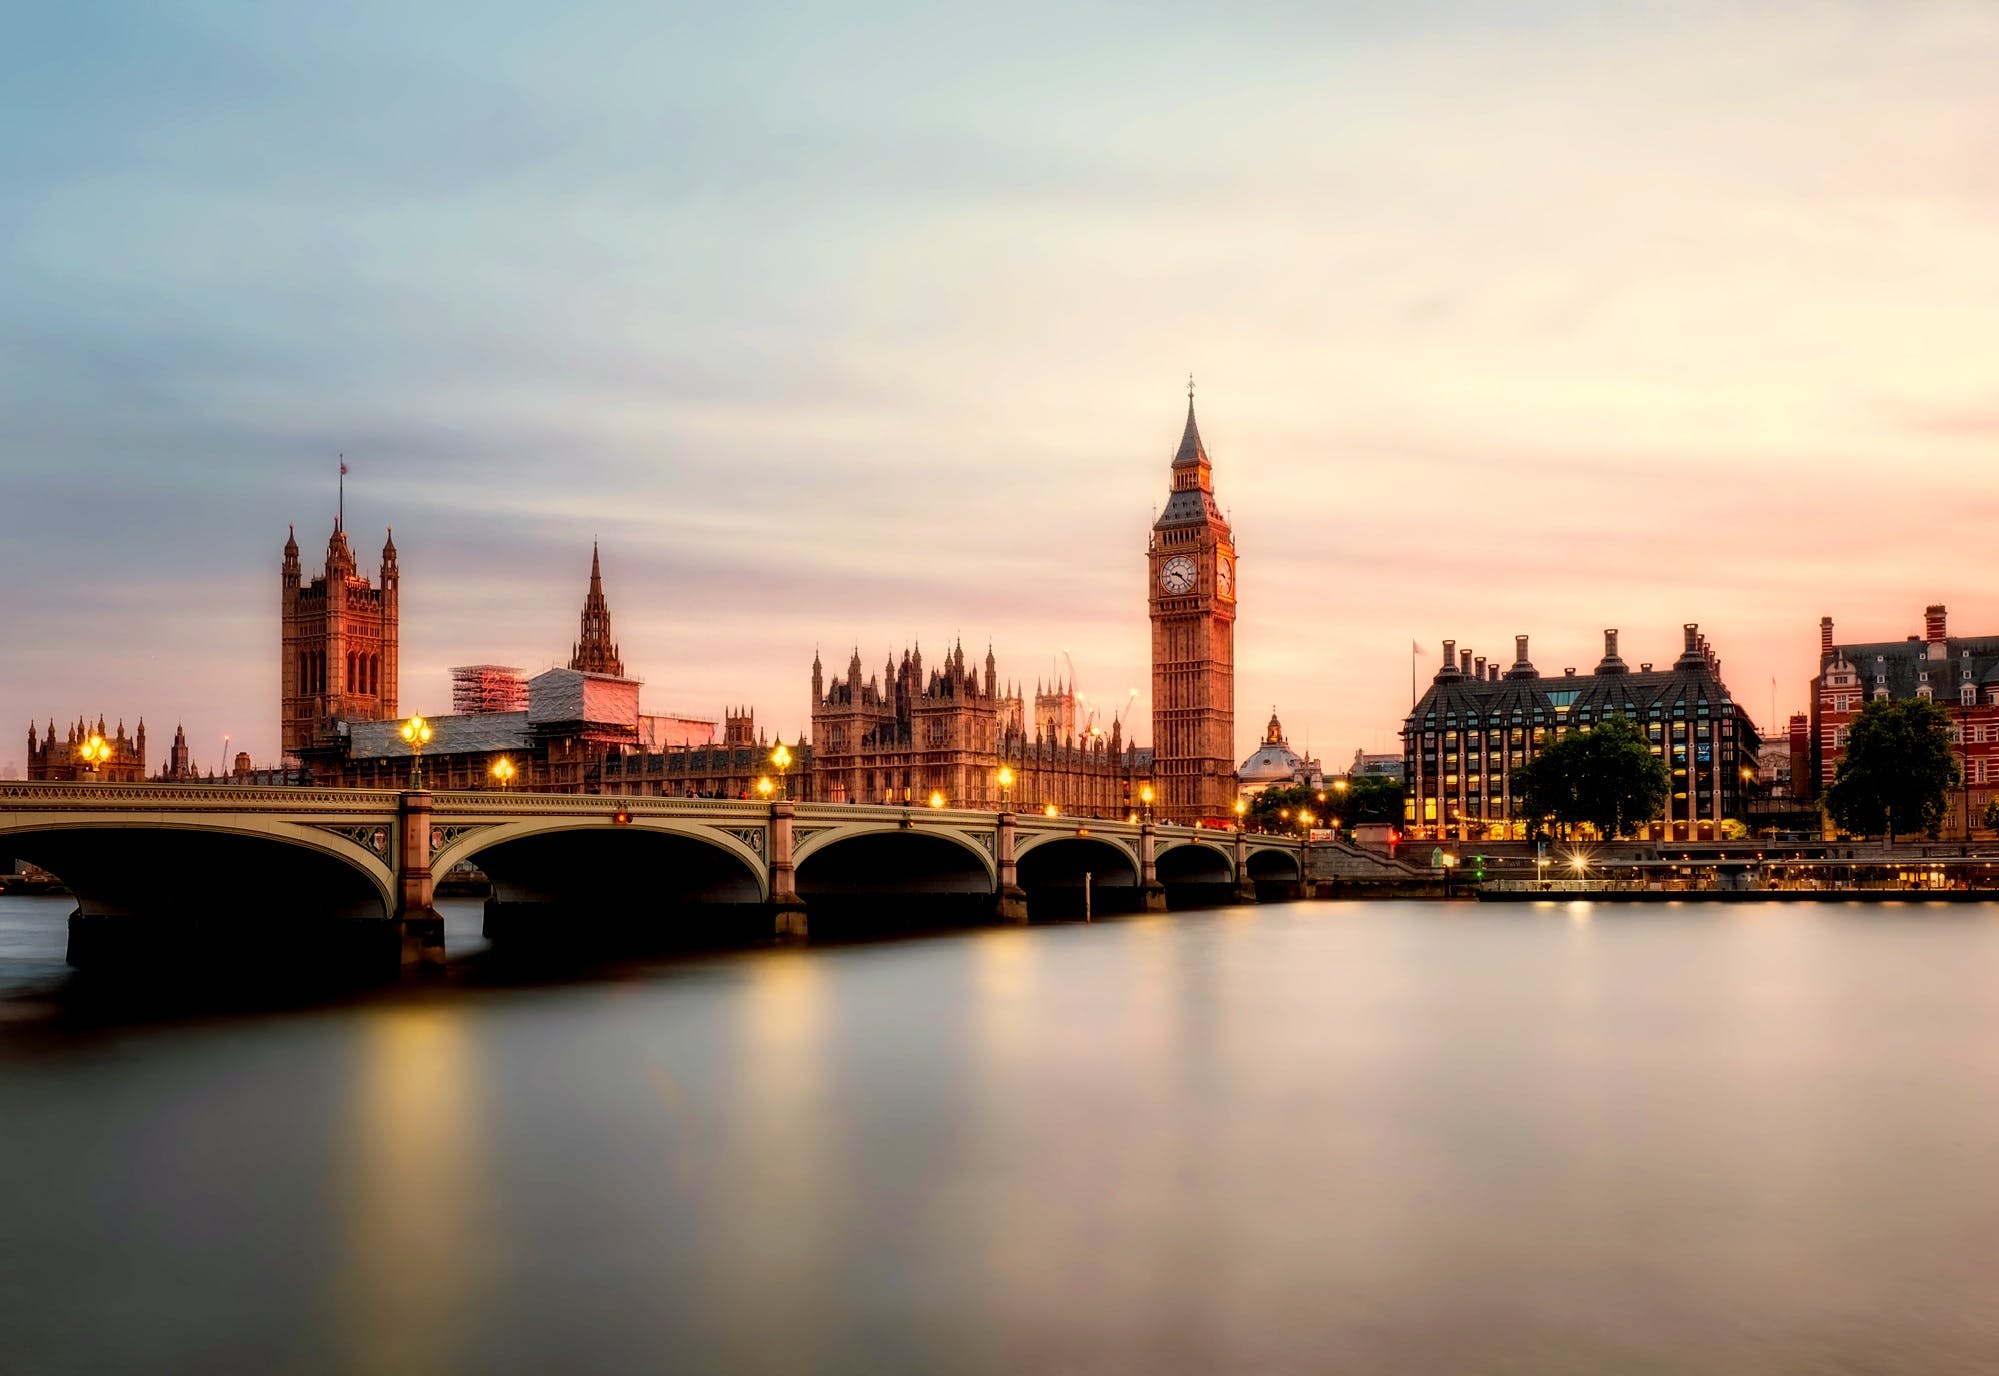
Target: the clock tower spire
pixel 1191 559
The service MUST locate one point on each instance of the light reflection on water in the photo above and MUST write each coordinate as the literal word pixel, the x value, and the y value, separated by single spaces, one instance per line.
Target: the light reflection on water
pixel 1372 1137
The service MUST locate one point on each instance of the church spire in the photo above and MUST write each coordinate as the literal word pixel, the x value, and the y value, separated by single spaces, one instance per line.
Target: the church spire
pixel 595 651
pixel 1191 453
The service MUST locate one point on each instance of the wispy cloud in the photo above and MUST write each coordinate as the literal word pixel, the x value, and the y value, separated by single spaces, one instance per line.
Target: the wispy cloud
pixel 864 325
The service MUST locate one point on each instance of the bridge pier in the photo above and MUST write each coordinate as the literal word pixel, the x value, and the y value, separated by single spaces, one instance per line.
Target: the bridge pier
pixel 788 918
pixel 1245 887
pixel 1148 849
pixel 1011 902
pixel 416 913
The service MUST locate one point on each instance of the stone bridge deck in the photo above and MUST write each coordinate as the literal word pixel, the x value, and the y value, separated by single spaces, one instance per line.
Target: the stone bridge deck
pixel 355 858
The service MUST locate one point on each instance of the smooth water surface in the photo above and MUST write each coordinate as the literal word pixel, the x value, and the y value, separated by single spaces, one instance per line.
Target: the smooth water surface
pixel 1324 1137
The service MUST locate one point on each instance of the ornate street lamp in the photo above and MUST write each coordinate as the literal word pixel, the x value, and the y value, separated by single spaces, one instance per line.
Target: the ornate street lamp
pixel 416 734
pixel 1048 811
pixel 780 759
pixel 504 771
pixel 1145 799
pixel 1005 777
pixel 764 787
pixel 1241 809
pixel 936 797
pixel 94 752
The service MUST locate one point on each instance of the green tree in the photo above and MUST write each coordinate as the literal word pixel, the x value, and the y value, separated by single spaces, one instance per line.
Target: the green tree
pixel 1366 798
pixel 1991 819
pixel 1278 809
pixel 1606 776
pixel 1897 772
pixel 1369 798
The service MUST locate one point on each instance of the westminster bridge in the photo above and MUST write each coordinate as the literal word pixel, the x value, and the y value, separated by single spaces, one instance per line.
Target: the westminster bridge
pixel 157 866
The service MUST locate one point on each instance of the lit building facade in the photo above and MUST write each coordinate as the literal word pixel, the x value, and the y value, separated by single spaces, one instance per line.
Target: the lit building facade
pixel 904 737
pixel 1477 724
pixel 1191 577
pixel 339 658
pixel 574 729
pixel 1959 673
pixel 58 761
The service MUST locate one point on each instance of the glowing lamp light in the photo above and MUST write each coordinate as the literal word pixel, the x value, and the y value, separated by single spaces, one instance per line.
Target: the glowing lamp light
pixel 781 757
pixel 1048 811
pixel 936 797
pixel 504 771
pixel 1145 794
pixel 416 734
pixel 765 787
pixel 95 751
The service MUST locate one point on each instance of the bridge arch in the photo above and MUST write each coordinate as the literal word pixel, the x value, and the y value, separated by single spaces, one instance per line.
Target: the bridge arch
pixel 159 891
pixel 1195 862
pixel 475 841
pixel 1035 840
pixel 113 863
pixel 1052 873
pixel 869 877
pixel 974 850
pixel 1268 865
pixel 589 883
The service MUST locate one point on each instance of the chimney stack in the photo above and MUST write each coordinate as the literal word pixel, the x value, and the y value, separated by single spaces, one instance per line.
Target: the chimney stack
pixel 1464 662
pixel 1450 665
pixel 1825 637
pixel 1478 667
pixel 1933 623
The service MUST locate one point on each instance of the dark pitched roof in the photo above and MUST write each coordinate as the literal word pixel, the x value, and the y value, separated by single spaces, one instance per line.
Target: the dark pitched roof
pixel 1690 689
pixel 1900 665
pixel 1190 451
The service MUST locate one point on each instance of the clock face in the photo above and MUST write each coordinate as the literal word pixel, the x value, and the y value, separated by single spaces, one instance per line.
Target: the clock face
pixel 1225 577
pixel 1177 575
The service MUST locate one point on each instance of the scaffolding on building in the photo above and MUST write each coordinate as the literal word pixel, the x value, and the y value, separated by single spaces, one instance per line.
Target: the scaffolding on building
pixel 488 688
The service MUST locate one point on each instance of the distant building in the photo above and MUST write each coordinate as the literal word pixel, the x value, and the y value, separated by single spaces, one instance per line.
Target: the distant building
pixel 704 769
pixel 1276 765
pixel 340 646
pixel 575 730
pixel 180 760
pixel 1366 766
pixel 1959 673
pixel 1191 567
pixel 56 761
pixel 903 736
pixel 1476 725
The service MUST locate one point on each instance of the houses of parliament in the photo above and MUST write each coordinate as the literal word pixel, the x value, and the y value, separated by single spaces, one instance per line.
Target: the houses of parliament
pixel 911 734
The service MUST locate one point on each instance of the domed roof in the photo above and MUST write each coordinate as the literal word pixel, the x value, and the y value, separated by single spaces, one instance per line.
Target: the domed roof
pixel 1273 762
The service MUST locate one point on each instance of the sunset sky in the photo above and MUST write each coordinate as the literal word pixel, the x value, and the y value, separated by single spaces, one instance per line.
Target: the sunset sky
pixel 870 324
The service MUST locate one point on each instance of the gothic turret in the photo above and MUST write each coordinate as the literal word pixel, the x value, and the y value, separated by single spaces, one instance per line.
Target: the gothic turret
pixel 595 651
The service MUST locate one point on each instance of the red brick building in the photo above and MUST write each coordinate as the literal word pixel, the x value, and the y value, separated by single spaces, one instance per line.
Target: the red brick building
pixel 1960 673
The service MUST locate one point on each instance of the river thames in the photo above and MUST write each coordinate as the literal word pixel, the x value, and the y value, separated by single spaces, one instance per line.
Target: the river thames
pixel 1363 1137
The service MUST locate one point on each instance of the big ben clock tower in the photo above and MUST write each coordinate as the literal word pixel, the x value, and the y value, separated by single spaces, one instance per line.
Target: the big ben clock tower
pixel 1191 559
